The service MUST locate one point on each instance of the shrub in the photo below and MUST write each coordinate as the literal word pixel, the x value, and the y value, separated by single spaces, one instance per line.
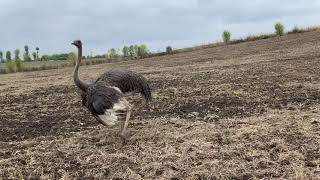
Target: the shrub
pixel 72 58
pixel 16 54
pixel 112 53
pixel 143 51
pixel 136 50
pixel 296 30
pixel 37 49
pixel 10 66
pixel 3 71
pixel 169 50
pixel 226 36
pixel 19 65
pixel 1 57
pixel 125 51
pixel 17 61
pixel 34 55
pixel 26 56
pixel 8 56
pixel 132 52
pixel 279 28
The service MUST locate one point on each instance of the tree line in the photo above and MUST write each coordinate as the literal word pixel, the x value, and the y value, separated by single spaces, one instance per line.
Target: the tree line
pixel 127 52
pixel 133 52
pixel 25 57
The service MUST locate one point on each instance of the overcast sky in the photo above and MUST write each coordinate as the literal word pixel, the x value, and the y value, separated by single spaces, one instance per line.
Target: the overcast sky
pixel 101 24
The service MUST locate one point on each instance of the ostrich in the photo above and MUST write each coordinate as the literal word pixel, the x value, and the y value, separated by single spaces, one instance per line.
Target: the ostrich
pixel 105 97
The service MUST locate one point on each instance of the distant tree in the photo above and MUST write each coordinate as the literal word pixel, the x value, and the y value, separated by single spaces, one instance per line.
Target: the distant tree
pixel 101 56
pixel 34 54
pixel 37 49
pixel 1 57
pixel 119 52
pixel 8 56
pixel 55 57
pixel 16 54
pixel 125 51
pixel 136 50
pixel 63 56
pixel 45 58
pixel 26 56
pixel 9 64
pixel 131 51
pixel 169 50
pixel 17 61
pixel 279 28
pixel 113 54
pixel 72 58
pixel 296 29
pixel 143 51
pixel 226 36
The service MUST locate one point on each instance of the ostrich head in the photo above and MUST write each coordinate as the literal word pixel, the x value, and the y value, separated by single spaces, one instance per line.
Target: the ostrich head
pixel 77 43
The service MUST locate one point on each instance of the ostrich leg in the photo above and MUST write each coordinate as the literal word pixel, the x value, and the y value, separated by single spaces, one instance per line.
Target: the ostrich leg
pixel 125 124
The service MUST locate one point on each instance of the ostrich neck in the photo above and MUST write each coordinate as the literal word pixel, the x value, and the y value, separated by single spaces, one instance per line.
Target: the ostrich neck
pixel 76 78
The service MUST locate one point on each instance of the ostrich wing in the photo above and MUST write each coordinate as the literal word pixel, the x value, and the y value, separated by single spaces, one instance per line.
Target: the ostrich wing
pixel 100 106
pixel 101 98
pixel 127 81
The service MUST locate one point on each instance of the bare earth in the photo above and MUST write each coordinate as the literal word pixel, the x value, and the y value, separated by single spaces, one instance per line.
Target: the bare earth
pixel 249 110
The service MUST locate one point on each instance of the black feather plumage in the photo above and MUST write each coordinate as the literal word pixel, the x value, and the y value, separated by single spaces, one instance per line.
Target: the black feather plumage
pixel 127 81
pixel 100 97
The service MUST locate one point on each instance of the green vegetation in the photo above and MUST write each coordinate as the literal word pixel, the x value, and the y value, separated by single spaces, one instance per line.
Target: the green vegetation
pixel 226 35
pixel 72 58
pixel 135 51
pixel 26 56
pixel 34 55
pixel 1 57
pixel 26 64
pixel 16 54
pixel 10 66
pixel 19 65
pixel 143 51
pixel 55 57
pixel 125 51
pixel 9 63
pixel 279 28
pixel 113 54
pixel 44 65
pixel 37 49
pixel 8 56
pixel 17 61
pixel 133 54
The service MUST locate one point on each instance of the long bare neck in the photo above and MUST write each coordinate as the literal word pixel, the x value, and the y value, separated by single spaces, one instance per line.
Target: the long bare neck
pixel 83 86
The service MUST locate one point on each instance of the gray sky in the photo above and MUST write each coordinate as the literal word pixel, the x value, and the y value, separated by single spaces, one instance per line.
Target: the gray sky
pixel 102 24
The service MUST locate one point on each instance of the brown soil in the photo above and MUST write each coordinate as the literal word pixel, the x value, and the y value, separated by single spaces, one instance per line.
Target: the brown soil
pixel 248 110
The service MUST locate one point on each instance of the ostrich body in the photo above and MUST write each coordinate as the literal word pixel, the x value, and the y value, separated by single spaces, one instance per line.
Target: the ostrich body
pixel 105 97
